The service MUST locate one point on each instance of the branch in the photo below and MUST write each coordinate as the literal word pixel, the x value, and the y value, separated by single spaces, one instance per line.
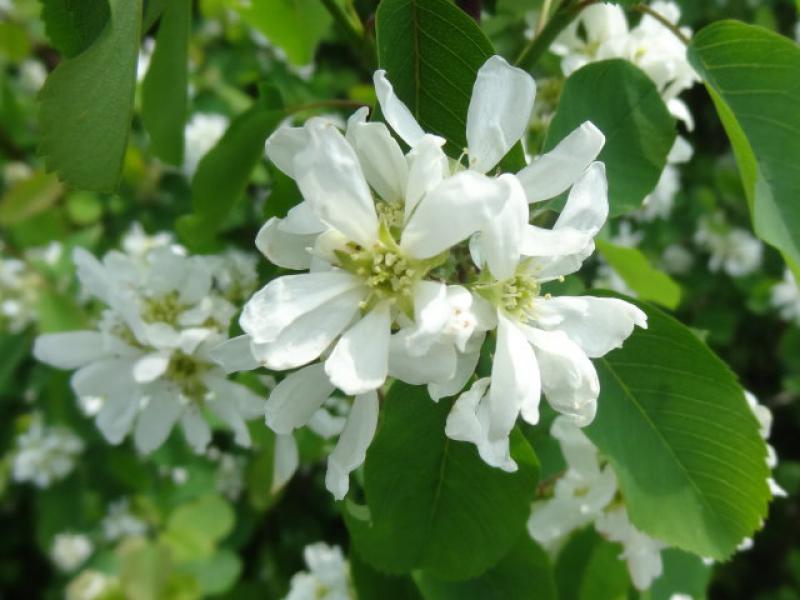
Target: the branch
pixel 646 10
pixel 564 15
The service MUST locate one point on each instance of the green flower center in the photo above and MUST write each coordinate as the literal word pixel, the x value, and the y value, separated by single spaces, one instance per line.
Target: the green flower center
pixel 186 371
pixel 163 309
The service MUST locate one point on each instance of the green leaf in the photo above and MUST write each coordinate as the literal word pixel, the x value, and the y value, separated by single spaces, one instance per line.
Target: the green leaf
pixel 194 529
pixel 165 87
pixel 752 74
pixel 73 25
pixel 87 102
pixel 14 42
pixel 589 568
pixel 648 282
pixel 683 574
pixel 29 197
pixel 374 585
pixel 224 172
pixel 625 105
pixel 431 51
pixel 144 568
pixel 218 573
pixel 697 478
pixel 430 498
pixel 523 574
pixel 294 26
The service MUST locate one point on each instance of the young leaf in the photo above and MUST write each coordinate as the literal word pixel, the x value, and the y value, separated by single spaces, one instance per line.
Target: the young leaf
pixel 674 423
pixel 87 103
pixel 648 282
pixel 523 574
pixel 165 87
pixel 752 76
pixel 72 25
pixel 624 103
pixel 223 173
pixel 589 568
pixel 430 498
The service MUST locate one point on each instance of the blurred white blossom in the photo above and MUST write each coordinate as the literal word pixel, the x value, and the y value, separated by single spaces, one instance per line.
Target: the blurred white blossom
pixel 44 455
pixel 327 576
pixel 731 249
pixel 119 522
pixel 785 297
pixel 70 551
pixel 202 133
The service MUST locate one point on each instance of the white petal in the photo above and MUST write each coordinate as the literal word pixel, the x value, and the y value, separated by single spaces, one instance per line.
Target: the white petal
pixel 104 378
pixel 155 422
pixel 569 379
pixel 499 112
pixel 465 367
pixel 431 313
pixel 234 355
pixel 226 410
pixel 286 250
pixel 501 238
pixel 452 211
pixel 245 401
pixel 93 276
pixel 115 419
pixel 428 165
pixel 554 172
pixel 286 298
pixel 680 152
pixel 287 459
pixel 538 241
pixel 678 109
pixel 395 112
pixel 284 144
pixel 329 176
pixel 381 158
pixel 351 449
pixel 301 220
pixel 150 367
pixel 587 204
pixel 597 325
pixel 309 336
pixel 295 399
pixel 69 350
pixel 360 360
pixel 516 385
pixel 436 365
pixel 195 428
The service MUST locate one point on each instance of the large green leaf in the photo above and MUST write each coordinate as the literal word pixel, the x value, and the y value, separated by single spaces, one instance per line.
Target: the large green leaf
pixel 639 275
pixel 29 197
pixel 72 25
pixel 523 574
pixel 224 172
pixel 589 568
pixel 675 425
pixel 165 88
pixel 683 574
pixel 294 26
pixel 374 585
pixel 753 76
pixel 431 52
pixel 625 105
pixel 87 104
pixel 430 498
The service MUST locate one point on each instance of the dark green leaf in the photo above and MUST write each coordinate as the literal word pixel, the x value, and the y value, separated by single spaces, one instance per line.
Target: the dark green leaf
pixel 430 498
pixel 165 87
pixel 753 76
pixel 224 172
pixel 625 105
pixel 589 568
pixel 87 104
pixel 640 276
pixel 73 25
pixel 373 585
pixel 698 477
pixel 523 574
pixel 683 574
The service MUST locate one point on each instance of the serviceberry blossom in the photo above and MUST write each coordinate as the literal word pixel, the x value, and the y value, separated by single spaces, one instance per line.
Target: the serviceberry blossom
pixel 45 455
pixel 202 133
pixel 413 258
pixel 731 249
pixel 785 297
pixel 327 577
pixel 587 493
pixel 147 358
pixel 20 289
pixel 764 417
pixel 120 522
pixel 70 551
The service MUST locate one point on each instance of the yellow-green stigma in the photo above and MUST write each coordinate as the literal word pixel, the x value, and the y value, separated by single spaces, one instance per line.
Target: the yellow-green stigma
pixel 519 294
pixel 185 371
pixel 163 309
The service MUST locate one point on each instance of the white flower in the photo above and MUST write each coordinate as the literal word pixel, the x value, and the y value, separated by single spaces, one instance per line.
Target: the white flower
pixel 650 45
pixel 641 552
pixel 327 578
pixel 785 297
pixel 32 75
pixel 137 242
pixel 20 287
pixel 764 418
pixel 677 259
pixel 92 585
pixel 659 203
pixel 70 550
pixel 119 522
pixel 148 360
pixel 202 133
pixel 731 249
pixel 44 455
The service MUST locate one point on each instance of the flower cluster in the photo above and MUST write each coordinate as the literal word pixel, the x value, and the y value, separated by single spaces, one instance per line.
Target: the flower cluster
pixel 327 578
pixel 785 297
pixel 20 287
pixel 731 249
pixel 44 455
pixel 414 258
pixel 146 365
